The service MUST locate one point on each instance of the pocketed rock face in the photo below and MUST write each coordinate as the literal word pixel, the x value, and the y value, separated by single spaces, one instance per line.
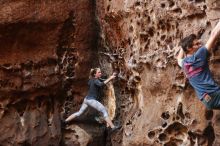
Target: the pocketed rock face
pixel 45 57
pixel 48 47
pixel 155 103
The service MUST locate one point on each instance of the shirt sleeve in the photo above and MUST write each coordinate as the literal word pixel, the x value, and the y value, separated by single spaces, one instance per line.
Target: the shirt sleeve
pixel 202 53
pixel 180 62
pixel 99 83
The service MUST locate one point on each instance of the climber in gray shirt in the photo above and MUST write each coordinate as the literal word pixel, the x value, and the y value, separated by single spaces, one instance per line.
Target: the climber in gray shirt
pixel 95 86
pixel 91 99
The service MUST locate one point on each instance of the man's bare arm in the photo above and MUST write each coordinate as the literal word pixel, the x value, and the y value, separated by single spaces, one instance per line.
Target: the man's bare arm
pixel 180 57
pixel 213 37
pixel 181 54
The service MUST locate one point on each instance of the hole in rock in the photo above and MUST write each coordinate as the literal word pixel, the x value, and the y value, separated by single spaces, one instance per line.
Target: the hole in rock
pixel 137 3
pixel 158 43
pixel 27 144
pixel 165 115
pixel 129 41
pixel 187 115
pixel 162 5
pixel 144 37
pixel 163 37
pixel 168 27
pixel 194 122
pixel 210 134
pixel 151 32
pixel 148 19
pixel 146 46
pixel 164 124
pixel 208 114
pixel 131 29
pixel 177 117
pixel 137 78
pixel 77 136
pixel 199 1
pixel 20 107
pixel 171 3
pixel 180 110
pixel 162 24
pixel 108 7
pixel 151 134
pixel 163 137
pixel 129 122
pixel 208 23
pixel 178 10
pixel 6 65
pixel 176 128
pixel 192 135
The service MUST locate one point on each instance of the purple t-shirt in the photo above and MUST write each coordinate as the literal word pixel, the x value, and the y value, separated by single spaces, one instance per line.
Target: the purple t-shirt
pixel 197 71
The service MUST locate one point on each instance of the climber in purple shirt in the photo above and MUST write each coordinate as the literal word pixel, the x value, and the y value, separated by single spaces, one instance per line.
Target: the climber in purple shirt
pixel 196 68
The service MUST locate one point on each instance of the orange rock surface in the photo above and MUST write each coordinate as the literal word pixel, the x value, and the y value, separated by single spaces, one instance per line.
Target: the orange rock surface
pixel 48 48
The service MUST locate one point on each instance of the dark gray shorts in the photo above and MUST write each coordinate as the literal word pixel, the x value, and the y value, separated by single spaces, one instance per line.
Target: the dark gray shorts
pixel 214 103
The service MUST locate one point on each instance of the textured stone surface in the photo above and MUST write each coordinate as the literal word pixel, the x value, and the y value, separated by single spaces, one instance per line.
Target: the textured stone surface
pixel 48 47
pixel 156 104
pixel 45 57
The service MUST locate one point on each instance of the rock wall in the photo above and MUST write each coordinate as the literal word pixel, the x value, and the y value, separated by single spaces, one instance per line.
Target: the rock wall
pixel 48 47
pixel 156 104
pixel 45 56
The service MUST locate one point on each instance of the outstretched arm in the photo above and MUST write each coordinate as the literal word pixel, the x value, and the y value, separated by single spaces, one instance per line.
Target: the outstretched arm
pixel 110 78
pixel 99 83
pixel 213 37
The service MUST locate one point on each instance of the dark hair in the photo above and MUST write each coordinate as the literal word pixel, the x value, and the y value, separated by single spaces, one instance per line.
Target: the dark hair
pixel 93 72
pixel 187 42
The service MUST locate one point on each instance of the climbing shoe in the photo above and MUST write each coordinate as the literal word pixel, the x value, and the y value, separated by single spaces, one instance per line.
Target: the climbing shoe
pixel 115 128
pixel 100 120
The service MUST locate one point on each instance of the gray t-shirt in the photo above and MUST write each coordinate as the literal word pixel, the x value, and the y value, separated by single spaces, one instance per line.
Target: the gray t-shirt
pixel 95 87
